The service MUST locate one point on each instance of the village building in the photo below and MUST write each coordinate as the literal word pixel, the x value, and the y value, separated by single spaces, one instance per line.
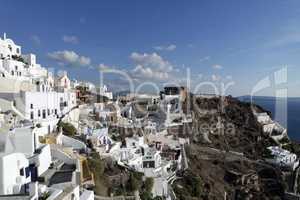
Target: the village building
pixel 282 158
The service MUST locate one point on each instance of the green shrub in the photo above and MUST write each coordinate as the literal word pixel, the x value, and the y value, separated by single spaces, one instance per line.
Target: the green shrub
pixel 190 186
pixel 146 195
pixel 44 196
pixel 149 182
pixel 135 181
pixel 19 58
pixel 284 140
pixel 68 129
pixel 96 164
pixel 134 184
pixel 268 154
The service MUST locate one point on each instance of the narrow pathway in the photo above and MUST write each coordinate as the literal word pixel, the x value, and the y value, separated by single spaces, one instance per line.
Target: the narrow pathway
pixel 184 158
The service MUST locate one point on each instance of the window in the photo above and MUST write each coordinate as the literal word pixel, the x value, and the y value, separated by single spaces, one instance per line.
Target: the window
pixel 31 115
pixel 22 172
pixel 26 188
pixel 31 106
pixel 12 73
pixel 55 111
pixel 44 114
pixel 39 113
pixel 27 172
pixel 16 67
pixel 48 111
pixel 18 50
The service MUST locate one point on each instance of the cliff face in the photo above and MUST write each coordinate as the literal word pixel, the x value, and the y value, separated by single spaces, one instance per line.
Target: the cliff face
pixel 227 144
pixel 231 124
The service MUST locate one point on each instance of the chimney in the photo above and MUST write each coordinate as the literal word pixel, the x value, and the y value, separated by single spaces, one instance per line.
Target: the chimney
pixel 4 36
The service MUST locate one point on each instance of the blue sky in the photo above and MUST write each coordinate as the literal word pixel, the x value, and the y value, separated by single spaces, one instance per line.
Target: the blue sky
pixel 219 41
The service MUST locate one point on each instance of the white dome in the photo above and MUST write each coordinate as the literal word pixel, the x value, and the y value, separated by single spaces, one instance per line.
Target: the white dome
pixel 10 41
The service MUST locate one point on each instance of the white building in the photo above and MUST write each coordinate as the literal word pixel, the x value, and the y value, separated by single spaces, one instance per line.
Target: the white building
pixel 150 99
pixel 15 65
pixel 87 85
pixel 283 158
pixel 41 160
pixel 131 154
pixel 99 137
pixel 14 173
pixel 14 68
pixel 103 91
pixel 263 118
pixel 107 112
pixel 62 82
pixel 42 105
pixel 41 108
pixel 274 129
pixel 36 97
pixel 22 160
pixel 8 48
pixel 20 140
pixel 151 159
pixel 14 165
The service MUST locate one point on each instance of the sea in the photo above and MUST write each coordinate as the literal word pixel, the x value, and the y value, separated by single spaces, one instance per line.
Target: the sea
pixel 290 106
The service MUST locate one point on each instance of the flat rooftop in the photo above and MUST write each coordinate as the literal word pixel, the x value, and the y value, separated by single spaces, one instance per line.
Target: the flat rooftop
pixel 61 177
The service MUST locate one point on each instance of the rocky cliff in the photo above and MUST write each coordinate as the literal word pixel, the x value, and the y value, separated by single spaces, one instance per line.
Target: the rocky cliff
pixel 226 151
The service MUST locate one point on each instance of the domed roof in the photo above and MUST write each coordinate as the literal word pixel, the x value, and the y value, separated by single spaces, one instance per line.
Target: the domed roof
pixel 10 41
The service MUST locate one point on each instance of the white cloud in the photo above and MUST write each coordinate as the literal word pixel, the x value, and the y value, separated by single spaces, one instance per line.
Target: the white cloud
pixel 151 66
pixel 151 60
pixel 36 39
pixel 104 67
pixel 70 39
pixel 204 58
pixel 69 58
pixel 170 47
pixel 217 66
pixel 147 67
pixel 149 73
